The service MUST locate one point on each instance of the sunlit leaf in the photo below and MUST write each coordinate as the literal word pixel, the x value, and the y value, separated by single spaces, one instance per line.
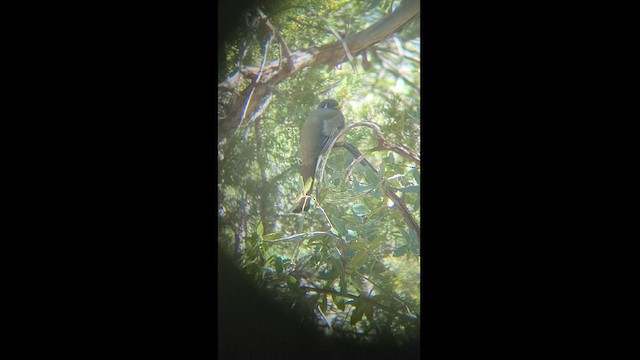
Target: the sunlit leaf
pixel 260 229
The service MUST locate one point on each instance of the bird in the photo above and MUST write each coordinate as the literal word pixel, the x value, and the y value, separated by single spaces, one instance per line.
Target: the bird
pixel 318 131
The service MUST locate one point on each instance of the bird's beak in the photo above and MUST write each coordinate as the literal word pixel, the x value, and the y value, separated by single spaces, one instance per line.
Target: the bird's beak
pixel 339 107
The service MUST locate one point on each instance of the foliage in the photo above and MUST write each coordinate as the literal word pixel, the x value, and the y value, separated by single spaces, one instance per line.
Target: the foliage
pixel 355 249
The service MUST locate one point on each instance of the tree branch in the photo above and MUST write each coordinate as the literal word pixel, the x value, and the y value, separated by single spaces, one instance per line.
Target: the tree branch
pixel 330 54
pixel 283 44
pixel 383 144
pixel 310 234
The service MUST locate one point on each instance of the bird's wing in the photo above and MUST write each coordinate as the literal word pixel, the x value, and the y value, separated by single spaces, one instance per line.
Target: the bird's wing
pixel 330 129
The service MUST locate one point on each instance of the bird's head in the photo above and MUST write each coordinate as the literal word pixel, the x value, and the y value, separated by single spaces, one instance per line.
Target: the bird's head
pixel 329 104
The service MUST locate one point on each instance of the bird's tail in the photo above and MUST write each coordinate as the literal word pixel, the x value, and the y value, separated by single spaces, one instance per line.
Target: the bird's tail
pixel 308 178
pixel 303 204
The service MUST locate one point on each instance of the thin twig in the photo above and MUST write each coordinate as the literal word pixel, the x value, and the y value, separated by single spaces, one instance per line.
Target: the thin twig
pixel 305 24
pixel 288 63
pixel 256 81
pixel 325 214
pixel 337 36
pixel 310 234
pixel 384 144
pixel 405 54
pixel 357 161
pixel 399 47
pixel 387 65
pixel 325 319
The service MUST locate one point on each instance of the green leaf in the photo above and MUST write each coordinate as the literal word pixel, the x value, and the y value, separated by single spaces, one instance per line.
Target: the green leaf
pixel 378 240
pixel 416 175
pixel 376 194
pixel 359 259
pixel 400 250
pixel 329 276
pixel 352 234
pixel 379 210
pixel 367 309
pixel 372 178
pixel 337 264
pixel 339 225
pixel 370 202
pixel 343 284
pixel 307 185
pixel 339 301
pixel 390 160
pixel 411 189
pixel 277 264
pixel 358 245
pixel 405 234
pixel 260 229
pixel 361 189
pixel 360 209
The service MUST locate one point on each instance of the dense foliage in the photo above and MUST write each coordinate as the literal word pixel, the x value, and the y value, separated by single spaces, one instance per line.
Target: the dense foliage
pixel 352 264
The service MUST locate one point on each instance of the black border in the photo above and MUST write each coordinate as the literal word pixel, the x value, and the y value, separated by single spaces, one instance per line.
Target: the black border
pixel 128 96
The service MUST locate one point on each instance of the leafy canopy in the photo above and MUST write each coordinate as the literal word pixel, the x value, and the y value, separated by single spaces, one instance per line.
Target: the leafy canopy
pixel 351 265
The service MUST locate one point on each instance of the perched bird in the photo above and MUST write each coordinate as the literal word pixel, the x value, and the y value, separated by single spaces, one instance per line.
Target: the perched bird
pixel 318 131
